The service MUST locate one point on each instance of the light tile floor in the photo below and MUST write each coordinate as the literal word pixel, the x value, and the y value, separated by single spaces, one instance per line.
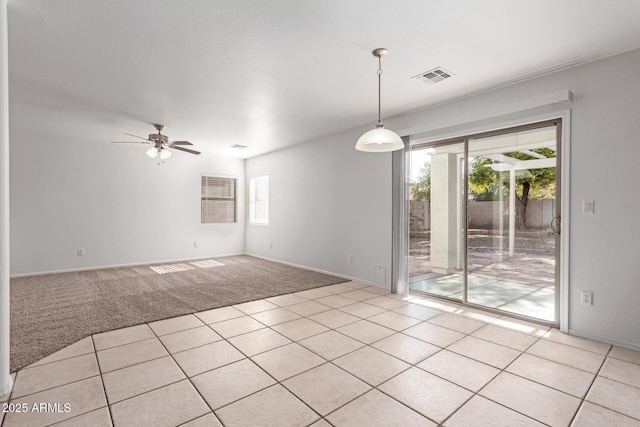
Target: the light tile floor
pixel 342 355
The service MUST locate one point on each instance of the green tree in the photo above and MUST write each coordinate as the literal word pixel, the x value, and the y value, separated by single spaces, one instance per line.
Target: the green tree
pixel 490 193
pixel 484 182
pixel 422 189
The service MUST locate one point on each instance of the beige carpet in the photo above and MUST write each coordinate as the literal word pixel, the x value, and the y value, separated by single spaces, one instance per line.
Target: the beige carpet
pixel 51 311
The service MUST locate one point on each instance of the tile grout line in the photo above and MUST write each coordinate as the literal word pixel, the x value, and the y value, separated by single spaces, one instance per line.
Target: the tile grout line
pixel 564 364
pixel 332 360
pixel 365 345
pixel 95 351
pixel 59 360
pixel 538 338
pixel 186 377
pixel 447 380
pixel 73 382
pixel 277 382
pixel 370 345
pixel 281 383
pixel 612 410
pixel 415 365
pixel 591 386
pixel 443 348
pixel 503 370
pixel 542 338
pixel 595 377
pixel 104 390
pixel 156 337
pixel 57 386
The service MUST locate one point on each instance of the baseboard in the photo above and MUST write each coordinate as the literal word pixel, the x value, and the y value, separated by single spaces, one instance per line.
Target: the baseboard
pixel 133 264
pixel 317 270
pixel 625 344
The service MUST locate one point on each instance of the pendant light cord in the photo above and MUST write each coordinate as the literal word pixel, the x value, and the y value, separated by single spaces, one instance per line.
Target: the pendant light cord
pixel 379 139
pixel 379 87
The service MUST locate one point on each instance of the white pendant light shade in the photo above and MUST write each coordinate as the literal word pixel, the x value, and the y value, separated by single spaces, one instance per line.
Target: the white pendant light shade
pixel 152 152
pixel 379 140
pixel 165 154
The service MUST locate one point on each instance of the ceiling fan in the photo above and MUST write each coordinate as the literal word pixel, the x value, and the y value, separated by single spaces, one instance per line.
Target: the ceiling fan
pixel 161 144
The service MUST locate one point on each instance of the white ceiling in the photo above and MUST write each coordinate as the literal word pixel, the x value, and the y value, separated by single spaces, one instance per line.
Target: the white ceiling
pixel 270 74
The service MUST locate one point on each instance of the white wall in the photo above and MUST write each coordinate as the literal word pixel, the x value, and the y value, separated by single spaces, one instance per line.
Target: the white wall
pixel 69 191
pixel 329 201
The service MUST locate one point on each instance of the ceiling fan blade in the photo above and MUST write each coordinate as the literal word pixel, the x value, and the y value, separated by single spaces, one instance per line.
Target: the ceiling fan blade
pixel 136 136
pixel 180 143
pixel 186 150
pixel 130 142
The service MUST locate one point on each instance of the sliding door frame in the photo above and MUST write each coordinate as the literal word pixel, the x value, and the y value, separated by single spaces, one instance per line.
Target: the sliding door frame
pixel 560 121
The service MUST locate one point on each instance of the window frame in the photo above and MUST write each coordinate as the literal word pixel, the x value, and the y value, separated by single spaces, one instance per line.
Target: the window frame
pixel 253 199
pixel 204 197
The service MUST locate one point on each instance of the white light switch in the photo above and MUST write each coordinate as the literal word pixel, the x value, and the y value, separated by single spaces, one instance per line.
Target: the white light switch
pixel 588 206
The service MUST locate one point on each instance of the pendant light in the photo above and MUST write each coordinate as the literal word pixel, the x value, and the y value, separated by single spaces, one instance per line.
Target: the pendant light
pixel 379 139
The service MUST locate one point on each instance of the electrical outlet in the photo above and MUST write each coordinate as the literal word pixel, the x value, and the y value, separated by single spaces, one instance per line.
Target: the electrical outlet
pixel 195 244
pixel 350 259
pixel 270 245
pixel 586 298
pixel 81 252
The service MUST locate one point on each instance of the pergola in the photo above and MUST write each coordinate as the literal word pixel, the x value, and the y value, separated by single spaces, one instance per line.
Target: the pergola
pixel 446 186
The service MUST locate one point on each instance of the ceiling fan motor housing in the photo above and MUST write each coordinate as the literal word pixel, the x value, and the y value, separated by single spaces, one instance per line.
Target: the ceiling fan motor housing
pixel 156 137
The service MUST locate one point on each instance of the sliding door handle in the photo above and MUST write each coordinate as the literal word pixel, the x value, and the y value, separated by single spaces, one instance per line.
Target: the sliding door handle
pixel 555 225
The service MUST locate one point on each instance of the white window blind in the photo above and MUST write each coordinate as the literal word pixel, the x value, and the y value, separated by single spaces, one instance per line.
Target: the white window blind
pixel 259 200
pixel 218 199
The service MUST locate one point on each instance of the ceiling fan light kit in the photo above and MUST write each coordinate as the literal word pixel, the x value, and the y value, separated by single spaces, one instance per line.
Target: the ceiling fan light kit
pixel 161 144
pixel 165 154
pixel 152 152
pixel 379 139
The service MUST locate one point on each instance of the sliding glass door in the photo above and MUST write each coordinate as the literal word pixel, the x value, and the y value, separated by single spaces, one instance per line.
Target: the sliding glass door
pixel 436 222
pixel 483 223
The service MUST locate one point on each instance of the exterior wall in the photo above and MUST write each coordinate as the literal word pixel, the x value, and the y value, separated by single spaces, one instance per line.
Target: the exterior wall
pixel 486 215
pixel 420 216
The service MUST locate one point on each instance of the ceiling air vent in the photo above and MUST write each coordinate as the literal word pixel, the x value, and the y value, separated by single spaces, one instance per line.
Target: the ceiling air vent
pixel 436 75
pixel 239 147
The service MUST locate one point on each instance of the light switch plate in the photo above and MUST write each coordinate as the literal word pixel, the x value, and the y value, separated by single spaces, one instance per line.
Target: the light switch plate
pixel 588 206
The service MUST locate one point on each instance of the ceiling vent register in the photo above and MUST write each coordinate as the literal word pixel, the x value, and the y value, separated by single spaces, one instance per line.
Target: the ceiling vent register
pixel 436 75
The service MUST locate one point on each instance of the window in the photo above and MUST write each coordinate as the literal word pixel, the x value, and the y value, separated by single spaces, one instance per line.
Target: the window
pixel 259 200
pixel 218 199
